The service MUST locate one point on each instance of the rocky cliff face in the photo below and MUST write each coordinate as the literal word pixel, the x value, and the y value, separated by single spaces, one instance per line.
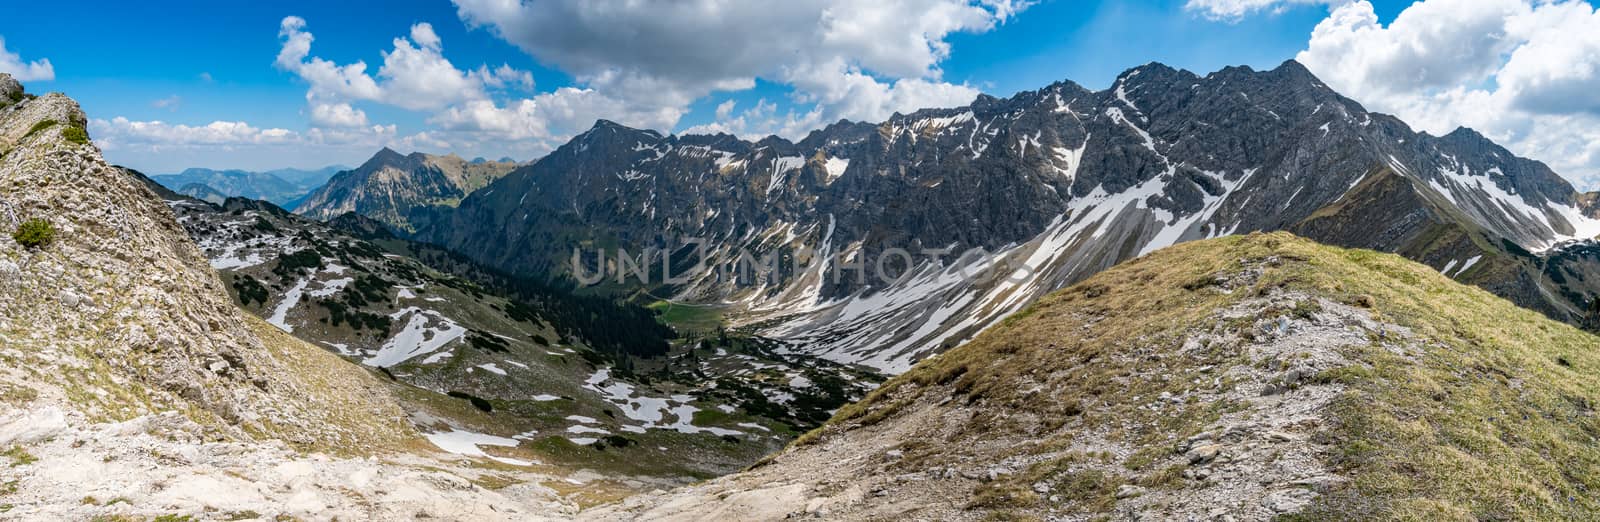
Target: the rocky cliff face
pixel 121 300
pixel 388 186
pixel 1055 184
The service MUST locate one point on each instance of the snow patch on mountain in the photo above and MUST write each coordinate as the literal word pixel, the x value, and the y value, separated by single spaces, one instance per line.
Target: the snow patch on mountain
pixel 291 298
pixel 835 168
pixel 467 443
pixel 425 332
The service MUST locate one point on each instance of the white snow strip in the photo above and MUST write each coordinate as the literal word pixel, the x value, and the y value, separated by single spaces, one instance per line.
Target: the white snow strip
pixel 581 429
pixel 1467 265
pixel 291 298
pixel 780 171
pixel 652 411
pixel 466 443
pixel 228 261
pixel 1116 115
pixel 425 332
pixel 331 287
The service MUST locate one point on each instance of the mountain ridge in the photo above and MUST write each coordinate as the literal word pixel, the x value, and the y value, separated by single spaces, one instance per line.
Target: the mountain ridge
pixel 1062 181
pixel 389 184
pixel 280 186
pixel 121 302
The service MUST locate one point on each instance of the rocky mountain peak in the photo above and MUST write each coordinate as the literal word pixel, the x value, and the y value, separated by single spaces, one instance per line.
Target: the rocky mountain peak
pixel 390 184
pixel 984 100
pixel 10 90
pixel 602 126
pixel 842 131
pixel 1152 71
pixel 387 157
pixel 1294 68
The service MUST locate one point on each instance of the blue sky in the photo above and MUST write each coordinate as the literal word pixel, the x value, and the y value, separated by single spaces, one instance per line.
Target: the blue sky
pixel 157 79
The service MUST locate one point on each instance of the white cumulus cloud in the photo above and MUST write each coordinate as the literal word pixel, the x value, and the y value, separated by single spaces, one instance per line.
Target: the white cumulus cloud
pixel 1522 73
pixel 13 64
pixel 849 59
pixel 337 115
pixel 1235 10
pixel 642 64
pixel 120 131
pixel 161 146
pixel 414 75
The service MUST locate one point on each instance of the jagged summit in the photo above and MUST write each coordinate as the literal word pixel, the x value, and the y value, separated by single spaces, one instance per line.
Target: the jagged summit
pixel 1292 66
pixel 608 125
pixel 387 157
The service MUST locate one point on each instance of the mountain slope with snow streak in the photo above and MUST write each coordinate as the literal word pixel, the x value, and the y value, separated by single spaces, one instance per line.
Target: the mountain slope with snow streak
pixel 1054 184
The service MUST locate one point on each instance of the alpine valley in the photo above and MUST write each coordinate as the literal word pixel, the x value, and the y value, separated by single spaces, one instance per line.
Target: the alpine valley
pixel 1232 296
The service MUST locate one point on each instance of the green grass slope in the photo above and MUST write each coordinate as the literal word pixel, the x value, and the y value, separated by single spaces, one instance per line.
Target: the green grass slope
pixel 1262 376
pixel 1495 420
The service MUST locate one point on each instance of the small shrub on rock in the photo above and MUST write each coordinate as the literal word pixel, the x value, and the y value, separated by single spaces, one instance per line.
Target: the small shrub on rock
pixel 76 135
pixel 42 125
pixel 35 233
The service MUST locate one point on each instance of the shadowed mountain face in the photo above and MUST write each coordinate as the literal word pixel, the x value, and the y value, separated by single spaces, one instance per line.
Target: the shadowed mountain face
pixel 388 186
pixel 1054 185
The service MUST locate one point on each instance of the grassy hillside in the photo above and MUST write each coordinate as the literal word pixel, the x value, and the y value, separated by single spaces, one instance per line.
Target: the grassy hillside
pixel 361 410
pixel 1495 419
pixel 1262 376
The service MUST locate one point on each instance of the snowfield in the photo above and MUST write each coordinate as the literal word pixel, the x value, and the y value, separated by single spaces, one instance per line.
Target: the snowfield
pixel 425 332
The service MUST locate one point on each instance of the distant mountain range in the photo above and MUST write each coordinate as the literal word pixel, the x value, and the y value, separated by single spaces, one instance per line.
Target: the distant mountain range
pixel 284 187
